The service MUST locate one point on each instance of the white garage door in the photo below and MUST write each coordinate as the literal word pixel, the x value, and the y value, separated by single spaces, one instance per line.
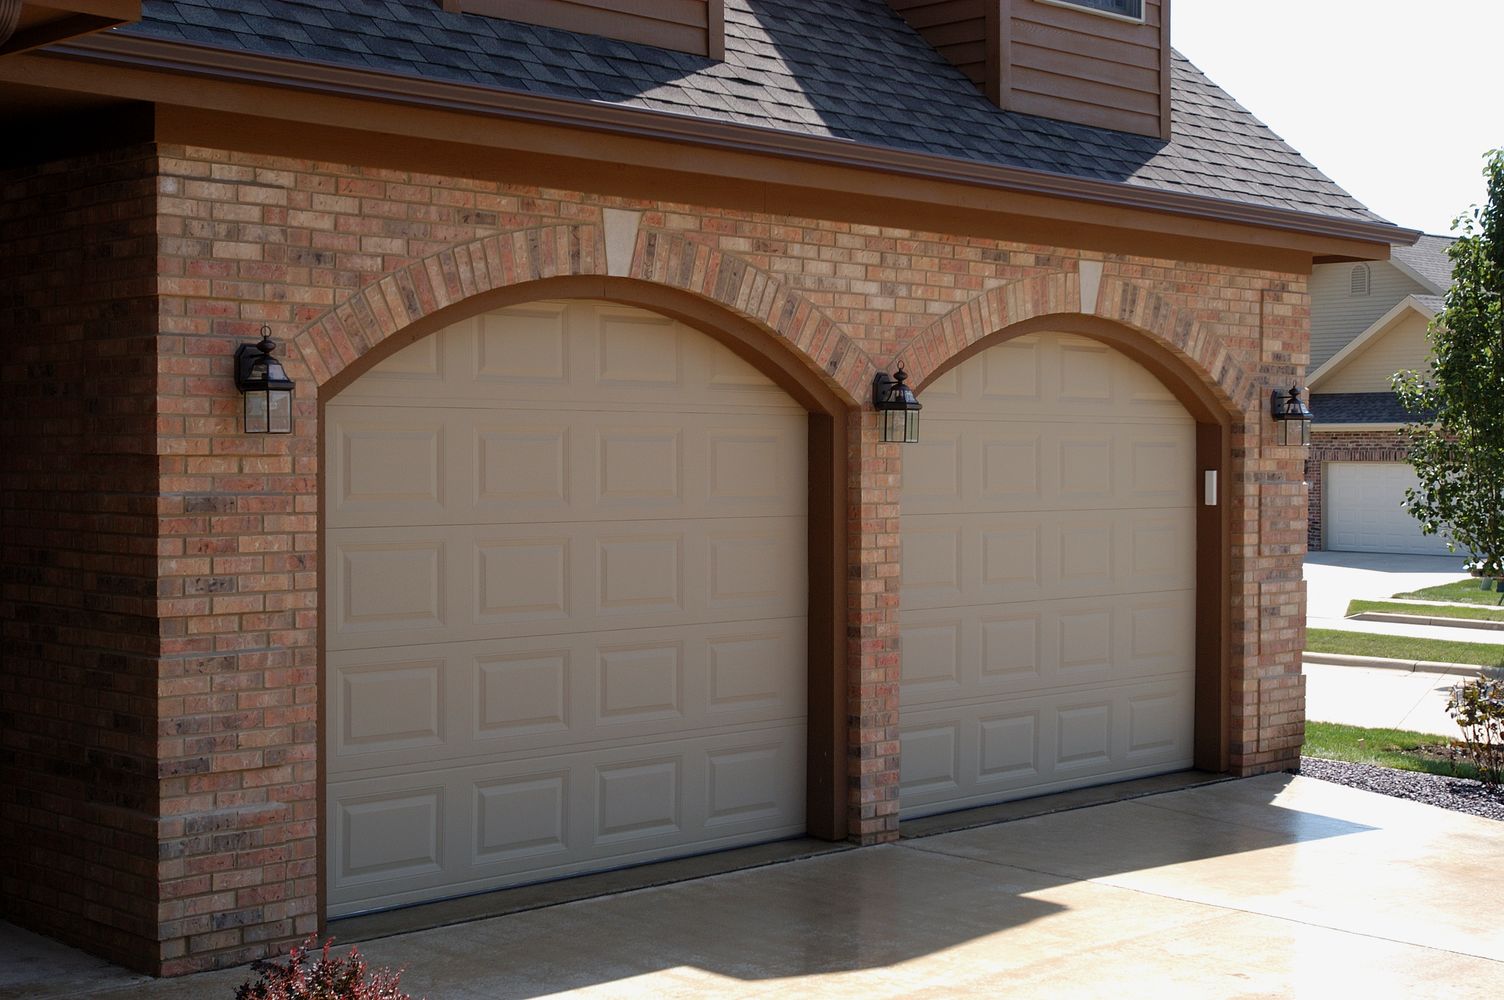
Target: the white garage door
pixel 567 597
pixel 1363 512
pixel 1048 577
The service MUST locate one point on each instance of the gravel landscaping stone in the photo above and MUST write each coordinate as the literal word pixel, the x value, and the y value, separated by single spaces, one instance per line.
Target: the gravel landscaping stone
pixel 1458 794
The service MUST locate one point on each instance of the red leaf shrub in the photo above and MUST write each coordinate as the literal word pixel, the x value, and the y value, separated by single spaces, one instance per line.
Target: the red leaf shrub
pixel 302 977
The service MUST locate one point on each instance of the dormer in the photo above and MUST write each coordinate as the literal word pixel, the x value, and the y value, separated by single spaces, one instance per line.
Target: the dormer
pixel 1104 63
pixel 694 26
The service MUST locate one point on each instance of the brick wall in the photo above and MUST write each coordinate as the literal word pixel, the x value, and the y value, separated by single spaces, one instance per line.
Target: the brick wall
pixel 336 259
pixel 1344 446
pixel 78 559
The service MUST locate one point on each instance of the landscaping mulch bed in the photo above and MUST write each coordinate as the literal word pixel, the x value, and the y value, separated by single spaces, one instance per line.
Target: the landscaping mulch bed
pixel 1458 794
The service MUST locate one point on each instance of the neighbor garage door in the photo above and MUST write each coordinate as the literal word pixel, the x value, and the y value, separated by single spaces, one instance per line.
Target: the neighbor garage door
pixel 1364 512
pixel 566 591
pixel 1048 577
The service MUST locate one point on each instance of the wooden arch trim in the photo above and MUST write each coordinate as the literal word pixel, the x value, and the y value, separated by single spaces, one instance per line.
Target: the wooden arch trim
pixel 826 806
pixel 1216 417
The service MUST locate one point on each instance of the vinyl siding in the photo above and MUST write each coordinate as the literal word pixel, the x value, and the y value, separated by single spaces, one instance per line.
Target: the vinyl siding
pixel 1400 348
pixel 1337 316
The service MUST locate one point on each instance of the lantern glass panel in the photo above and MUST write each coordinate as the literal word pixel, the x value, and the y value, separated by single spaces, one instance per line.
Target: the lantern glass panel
pixel 895 426
pixel 256 412
pixel 279 411
pixel 911 427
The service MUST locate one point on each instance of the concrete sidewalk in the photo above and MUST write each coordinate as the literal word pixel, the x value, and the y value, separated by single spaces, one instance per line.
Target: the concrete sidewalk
pixel 1380 698
pixel 1268 887
pixel 1417 631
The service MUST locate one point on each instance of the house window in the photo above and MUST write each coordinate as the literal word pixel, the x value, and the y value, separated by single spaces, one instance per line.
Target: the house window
pixel 1360 280
pixel 1122 8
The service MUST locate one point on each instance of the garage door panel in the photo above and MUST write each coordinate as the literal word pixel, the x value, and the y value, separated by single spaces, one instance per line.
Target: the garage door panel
pixel 455 465
pixel 479 581
pixel 391 834
pixel 385 464
pixel 1048 618
pixel 566 547
pixel 410 707
pixel 1364 512
pixel 997 749
pixel 950 559
pixel 984 466
pixel 987 651
pixel 405 838
pixel 384 584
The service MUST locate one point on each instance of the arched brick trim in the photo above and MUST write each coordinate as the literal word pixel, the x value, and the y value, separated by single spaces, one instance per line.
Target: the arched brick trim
pixel 671 259
pixel 935 348
pixel 1180 340
pixel 425 288
pixel 1178 330
pixel 439 289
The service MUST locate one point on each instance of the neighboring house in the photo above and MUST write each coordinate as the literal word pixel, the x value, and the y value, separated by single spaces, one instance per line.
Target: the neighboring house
pixel 584 549
pixel 1369 321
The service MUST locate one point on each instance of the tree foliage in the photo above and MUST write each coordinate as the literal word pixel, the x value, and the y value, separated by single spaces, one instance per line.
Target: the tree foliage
pixel 1458 454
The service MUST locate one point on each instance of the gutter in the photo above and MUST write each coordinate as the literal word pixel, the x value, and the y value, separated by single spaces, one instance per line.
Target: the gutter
pixel 234 66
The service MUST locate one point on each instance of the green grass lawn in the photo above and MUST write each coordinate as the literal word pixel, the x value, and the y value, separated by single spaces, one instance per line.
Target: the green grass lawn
pixel 1402 647
pixel 1397 748
pixel 1427 610
pixel 1463 591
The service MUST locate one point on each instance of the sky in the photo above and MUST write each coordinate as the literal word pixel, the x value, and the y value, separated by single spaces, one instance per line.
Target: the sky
pixel 1396 101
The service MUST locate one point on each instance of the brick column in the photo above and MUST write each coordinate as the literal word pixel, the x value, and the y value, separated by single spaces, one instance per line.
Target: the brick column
pixel 78 630
pixel 872 669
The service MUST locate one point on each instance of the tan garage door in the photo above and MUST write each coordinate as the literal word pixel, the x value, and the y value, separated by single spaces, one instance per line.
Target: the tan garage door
pixel 1364 512
pixel 567 598
pixel 1048 577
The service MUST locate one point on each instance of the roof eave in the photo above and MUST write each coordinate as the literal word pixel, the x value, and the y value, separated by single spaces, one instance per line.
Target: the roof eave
pixel 1416 276
pixel 232 65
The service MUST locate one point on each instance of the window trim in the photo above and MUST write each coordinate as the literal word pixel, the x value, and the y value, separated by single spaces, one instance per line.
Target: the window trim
pixel 1078 6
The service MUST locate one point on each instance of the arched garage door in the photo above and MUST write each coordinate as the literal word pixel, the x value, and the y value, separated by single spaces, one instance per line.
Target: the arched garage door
pixel 1048 577
pixel 566 605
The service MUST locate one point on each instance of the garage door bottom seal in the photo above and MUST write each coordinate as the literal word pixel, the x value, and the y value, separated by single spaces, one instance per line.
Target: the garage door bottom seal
pixel 1043 805
pixel 482 906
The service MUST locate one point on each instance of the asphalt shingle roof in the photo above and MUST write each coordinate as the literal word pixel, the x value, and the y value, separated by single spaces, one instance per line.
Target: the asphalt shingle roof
pixel 1428 258
pixel 843 69
pixel 1360 408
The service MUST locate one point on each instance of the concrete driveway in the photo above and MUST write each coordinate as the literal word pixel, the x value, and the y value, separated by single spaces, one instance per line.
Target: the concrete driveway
pixel 1334 578
pixel 1276 886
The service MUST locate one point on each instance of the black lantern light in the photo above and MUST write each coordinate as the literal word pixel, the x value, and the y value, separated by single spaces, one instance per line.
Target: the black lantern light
pixel 895 401
pixel 1293 417
pixel 266 387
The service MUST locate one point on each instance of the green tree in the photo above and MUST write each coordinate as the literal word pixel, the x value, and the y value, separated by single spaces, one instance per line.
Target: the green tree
pixel 1458 454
